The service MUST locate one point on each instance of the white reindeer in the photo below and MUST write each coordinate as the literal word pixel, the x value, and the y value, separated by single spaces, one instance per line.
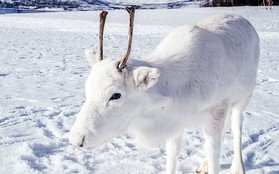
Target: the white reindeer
pixel 199 77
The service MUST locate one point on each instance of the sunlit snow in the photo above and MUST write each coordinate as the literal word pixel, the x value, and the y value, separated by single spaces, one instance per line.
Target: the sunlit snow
pixel 42 76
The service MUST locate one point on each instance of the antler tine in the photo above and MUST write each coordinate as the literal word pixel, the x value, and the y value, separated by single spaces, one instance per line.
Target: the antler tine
pixel 131 11
pixel 103 16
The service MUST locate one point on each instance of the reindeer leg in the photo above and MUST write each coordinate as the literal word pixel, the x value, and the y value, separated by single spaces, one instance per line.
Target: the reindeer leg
pixel 264 4
pixel 271 3
pixel 203 169
pixel 214 135
pixel 237 120
pixel 213 150
pixel 173 148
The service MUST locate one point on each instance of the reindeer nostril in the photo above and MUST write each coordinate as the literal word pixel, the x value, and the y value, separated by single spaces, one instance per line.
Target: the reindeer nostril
pixel 82 142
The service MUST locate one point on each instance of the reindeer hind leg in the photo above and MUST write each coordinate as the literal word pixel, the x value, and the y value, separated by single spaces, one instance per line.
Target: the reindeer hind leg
pixel 236 124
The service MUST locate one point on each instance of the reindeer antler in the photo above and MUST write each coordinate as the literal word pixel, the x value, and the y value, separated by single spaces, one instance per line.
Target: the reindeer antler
pixel 103 16
pixel 131 11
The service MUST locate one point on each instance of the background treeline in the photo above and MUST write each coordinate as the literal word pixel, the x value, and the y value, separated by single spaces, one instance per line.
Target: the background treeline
pixel 37 4
pixel 237 2
pixel 93 4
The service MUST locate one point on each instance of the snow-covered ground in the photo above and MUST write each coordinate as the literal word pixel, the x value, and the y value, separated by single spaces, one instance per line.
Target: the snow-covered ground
pixel 42 75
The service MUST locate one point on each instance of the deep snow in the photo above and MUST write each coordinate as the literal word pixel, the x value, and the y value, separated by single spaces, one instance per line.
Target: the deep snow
pixel 42 75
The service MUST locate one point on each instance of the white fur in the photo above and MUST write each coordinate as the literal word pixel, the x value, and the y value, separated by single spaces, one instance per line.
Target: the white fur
pixel 197 78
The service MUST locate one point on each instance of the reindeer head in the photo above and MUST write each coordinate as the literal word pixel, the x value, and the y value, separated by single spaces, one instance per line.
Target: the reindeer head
pixel 113 93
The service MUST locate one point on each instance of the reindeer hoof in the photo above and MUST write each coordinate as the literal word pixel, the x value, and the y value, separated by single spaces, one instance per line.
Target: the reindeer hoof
pixel 203 169
pixel 200 172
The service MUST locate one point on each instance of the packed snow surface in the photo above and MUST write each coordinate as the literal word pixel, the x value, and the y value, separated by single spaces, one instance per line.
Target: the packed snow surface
pixel 42 75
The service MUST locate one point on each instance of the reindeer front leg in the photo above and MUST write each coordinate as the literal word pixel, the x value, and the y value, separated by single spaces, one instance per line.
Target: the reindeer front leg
pixel 173 147
pixel 213 150
pixel 213 139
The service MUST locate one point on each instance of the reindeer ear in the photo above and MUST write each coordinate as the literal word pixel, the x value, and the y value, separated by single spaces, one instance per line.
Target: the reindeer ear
pixel 91 56
pixel 145 77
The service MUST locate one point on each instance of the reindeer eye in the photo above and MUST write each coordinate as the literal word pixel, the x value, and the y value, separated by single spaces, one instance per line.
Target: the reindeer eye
pixel 115 96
